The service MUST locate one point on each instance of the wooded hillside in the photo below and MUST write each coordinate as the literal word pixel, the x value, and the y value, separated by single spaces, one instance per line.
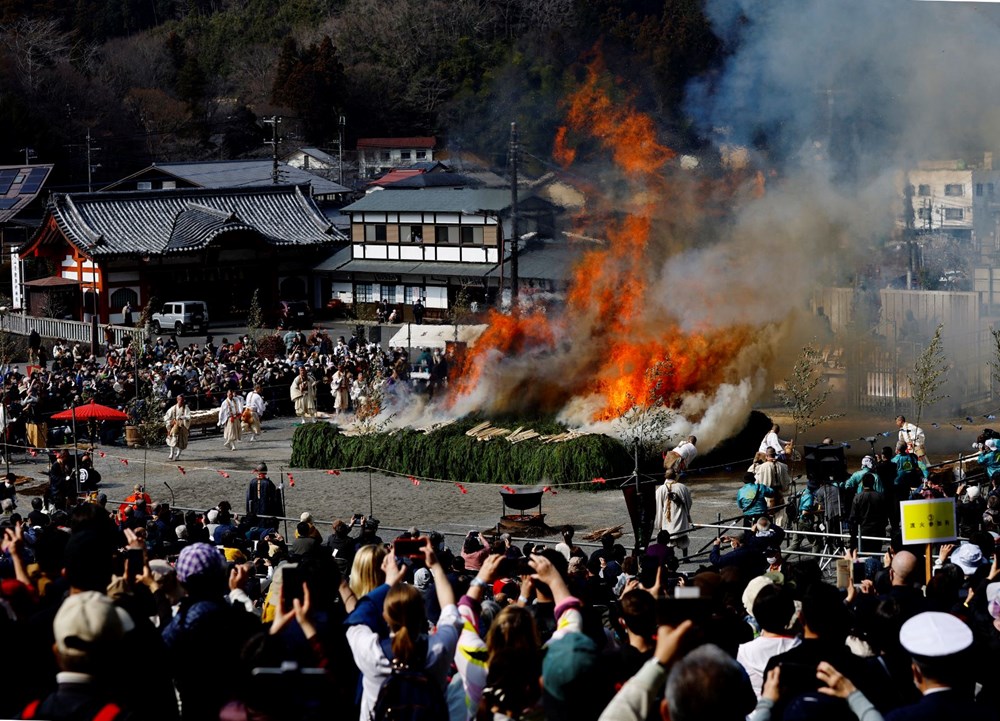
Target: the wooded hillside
pixel 158 80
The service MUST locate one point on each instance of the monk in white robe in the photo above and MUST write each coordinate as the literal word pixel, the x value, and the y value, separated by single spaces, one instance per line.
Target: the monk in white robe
pixel 303 393
pixel 256 405
pixel 229 419
pixel 178 420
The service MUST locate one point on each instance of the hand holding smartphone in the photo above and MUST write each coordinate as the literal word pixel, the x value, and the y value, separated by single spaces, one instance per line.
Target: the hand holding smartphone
pixel 409 547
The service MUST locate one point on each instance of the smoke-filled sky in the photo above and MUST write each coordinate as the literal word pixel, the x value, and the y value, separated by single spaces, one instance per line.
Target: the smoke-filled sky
pixel 832 97
pixel 896 80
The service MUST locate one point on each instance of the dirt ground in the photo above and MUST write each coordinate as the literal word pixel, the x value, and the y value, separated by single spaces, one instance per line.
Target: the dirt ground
pixel 211 474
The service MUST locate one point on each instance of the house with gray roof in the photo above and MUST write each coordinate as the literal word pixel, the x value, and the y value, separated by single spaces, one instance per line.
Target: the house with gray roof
pixel 229 174
pixel 200 243
pixel 440 243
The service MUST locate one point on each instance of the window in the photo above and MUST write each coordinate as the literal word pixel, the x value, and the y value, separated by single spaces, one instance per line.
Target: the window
pixel 421 155
pixel 405 154
pixel 923 213
pixel 169 184
pixel 144 185
pixel 924 190
pixel 472 235
pixel 384 155
pixel 412 233
pixel 363 293
pixel 954 214
pixel 954 190
pixel 410 294
pixel 446 235
pixel 979 190
pixel 376 233
pixel 989 189
pixel 388 293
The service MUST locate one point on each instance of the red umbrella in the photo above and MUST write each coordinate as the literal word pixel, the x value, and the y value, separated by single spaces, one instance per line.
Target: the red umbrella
pixel 90 412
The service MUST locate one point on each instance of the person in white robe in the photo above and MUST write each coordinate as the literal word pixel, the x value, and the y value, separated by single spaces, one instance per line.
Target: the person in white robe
pixel 303 393
pixel 339 388
pixel 256 404
pixel 673 512
pixel 230 413
pixel 178 421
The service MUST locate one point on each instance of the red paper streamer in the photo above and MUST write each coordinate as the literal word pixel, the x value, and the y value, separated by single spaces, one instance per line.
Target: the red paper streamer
pixel 548 489
pixel 508 489
pixel 102 453
pixel 291 481
pixel 599 481
pixel 414 481
pixel 223 474
pixel 33 452
pixel 123 461
pixel 462 488
pixel 181 469
pixel 333 473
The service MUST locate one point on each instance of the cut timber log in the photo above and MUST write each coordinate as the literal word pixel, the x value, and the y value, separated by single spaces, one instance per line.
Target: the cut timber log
pixel 595 535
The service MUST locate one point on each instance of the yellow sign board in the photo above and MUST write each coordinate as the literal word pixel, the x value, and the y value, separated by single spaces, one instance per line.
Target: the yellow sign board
pixel 928 520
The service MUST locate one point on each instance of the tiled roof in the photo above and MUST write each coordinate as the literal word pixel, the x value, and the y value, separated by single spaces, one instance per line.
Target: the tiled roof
pixel 320 155
pixel 238 174
pixel 433 200
pixel 394 176
pixel 387 143
pixel 19 185
pixel 159 222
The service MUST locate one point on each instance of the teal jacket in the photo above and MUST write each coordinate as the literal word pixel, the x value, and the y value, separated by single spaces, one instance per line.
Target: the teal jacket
pixel 854 482
pixel 752 498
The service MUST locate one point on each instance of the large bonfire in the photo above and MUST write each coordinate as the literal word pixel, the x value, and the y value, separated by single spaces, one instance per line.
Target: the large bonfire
pixel 592 361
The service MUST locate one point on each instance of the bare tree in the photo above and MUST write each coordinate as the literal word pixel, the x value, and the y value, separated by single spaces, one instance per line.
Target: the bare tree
pixel 929 375
pixel 644 422
pixel 801 393
pixel 34 44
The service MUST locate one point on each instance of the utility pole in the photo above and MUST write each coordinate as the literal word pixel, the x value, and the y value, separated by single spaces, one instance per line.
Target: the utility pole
pixel 340 147
pixel 515 234
pixel 90 165
pixel 274 121
pixel 29 155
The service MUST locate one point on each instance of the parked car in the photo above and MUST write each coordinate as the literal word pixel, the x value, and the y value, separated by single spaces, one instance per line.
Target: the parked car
pixel 293 313
pixel 181 316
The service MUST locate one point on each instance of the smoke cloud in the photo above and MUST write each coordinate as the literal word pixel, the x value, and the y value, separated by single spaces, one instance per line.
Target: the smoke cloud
pixel 830 98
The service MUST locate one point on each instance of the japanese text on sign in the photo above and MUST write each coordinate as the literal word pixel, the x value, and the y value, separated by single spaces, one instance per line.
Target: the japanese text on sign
pixel 928 520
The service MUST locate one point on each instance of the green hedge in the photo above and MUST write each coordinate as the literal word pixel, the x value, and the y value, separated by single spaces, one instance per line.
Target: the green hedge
pixel 449 453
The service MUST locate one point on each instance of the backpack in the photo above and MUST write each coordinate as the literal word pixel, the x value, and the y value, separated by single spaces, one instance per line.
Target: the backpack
pixel 408 694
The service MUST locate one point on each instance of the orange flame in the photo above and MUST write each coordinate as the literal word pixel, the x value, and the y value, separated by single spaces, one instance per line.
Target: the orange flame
pixel 612 330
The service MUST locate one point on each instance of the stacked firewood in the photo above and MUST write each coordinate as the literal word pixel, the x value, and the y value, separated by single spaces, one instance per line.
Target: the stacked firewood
pixel 485 431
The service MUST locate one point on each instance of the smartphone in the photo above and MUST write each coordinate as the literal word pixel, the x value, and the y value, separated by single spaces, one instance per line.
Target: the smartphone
pixel 674 611
pixel 292 581
pixel 135 560
pixel 409 547
pixel 859 571
pixel 798 676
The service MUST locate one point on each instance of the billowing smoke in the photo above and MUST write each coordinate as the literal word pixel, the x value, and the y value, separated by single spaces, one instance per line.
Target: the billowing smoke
pixel 828 99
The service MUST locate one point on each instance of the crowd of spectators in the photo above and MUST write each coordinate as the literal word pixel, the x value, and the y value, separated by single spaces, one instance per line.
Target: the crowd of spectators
pixel 140 602
pixel 69 374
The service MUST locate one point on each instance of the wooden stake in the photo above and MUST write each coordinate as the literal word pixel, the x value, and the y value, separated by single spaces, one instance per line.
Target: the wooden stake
pixel 927 564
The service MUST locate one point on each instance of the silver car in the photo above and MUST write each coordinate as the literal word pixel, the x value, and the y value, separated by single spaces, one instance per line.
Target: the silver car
pixel 181 316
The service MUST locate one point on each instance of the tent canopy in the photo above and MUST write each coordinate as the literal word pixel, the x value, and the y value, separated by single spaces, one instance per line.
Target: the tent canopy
pixel 435 336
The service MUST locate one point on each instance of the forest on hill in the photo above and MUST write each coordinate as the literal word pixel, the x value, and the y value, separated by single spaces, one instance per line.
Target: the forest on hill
pixel 160 80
